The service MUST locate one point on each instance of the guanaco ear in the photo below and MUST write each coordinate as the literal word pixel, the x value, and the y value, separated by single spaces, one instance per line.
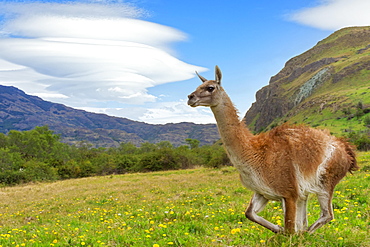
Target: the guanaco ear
pixel 218 74
pixel 201 77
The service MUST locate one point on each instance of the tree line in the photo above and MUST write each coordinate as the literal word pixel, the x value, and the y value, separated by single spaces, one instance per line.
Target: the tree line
pixel 39 155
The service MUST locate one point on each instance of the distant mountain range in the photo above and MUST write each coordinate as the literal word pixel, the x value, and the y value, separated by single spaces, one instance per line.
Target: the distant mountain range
pixel 19 111
pixel 327 86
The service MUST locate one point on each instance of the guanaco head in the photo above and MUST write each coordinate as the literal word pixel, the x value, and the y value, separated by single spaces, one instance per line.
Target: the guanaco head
pixel 207 94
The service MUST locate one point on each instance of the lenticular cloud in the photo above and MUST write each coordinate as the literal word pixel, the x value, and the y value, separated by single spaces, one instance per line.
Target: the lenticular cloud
pixel 335 14
pixel 83 53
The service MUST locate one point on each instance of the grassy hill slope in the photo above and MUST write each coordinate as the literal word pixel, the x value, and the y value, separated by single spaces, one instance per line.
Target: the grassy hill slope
pixel 199 207
pixel 327 86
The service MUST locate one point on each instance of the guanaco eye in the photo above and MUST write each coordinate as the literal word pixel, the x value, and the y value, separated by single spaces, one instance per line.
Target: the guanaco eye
pixel 210 89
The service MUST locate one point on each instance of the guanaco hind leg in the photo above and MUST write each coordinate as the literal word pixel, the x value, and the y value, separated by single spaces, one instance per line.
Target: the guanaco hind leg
pixel 256 205
pixel 326 211
pixel 302 222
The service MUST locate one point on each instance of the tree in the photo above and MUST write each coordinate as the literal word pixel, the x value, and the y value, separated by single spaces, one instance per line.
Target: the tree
pixel 193 143
pixel 10 160
pixel 3 140
pixel 39 171
pixel 164 145
pixel 147 147
pixel 126 163
pixel 11 171
pixel 158 161
pixel 367 120
pixel 127 148
pixel 39 143
pixel 361 139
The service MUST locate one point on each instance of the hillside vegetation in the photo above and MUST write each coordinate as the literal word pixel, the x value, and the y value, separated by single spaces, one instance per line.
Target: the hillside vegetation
pixel 328 86
pixel 197 207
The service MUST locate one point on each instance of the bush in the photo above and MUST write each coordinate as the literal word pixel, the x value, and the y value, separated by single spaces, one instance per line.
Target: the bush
pixel 359 113
pixel 9 177
pixel 186 158
pixel 126 163
pixel 367 120
pixel 213 156
pixel 218 161
pixel 346 111
pixel 361 139
pixel 10 160
pixel 104 164
pixel 70 169
pixel 158 161
pixel 38 171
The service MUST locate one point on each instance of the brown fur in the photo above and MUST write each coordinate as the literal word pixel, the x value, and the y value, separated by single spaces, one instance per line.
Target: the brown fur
pixel 286 163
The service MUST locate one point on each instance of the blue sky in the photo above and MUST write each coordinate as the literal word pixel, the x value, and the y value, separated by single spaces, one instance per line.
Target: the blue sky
pixel 136 59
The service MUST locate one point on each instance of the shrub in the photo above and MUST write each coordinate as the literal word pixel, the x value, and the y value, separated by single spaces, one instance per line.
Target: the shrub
pixel 346 111
pixel 126 163
pixel 87 168
pixel 9 177
pixel 218 159
pixel 359 113
pixel 158 161
pixel 360 105
pixel 10 160
pixel 186 157
pixel 38 171
pixel 367 120
pixel 70 169
pixel 193 143
pixel 361 139
pixel 104 164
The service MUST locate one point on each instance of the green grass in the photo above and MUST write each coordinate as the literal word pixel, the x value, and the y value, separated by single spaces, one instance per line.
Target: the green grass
pixel 199 207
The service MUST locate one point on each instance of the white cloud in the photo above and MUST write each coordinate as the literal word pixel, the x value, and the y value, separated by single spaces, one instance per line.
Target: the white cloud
pixel 81 54
pixel 177 112
pixel 161 113
pixel 335 14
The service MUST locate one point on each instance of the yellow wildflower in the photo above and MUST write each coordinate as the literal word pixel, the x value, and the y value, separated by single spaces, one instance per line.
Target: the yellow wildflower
pixel 235 230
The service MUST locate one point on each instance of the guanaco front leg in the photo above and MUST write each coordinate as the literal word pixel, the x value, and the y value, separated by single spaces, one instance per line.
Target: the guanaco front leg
pixel 256 205
pixel 290 214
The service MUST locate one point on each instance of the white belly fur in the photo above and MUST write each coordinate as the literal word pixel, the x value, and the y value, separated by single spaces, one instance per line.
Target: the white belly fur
pixel 252 180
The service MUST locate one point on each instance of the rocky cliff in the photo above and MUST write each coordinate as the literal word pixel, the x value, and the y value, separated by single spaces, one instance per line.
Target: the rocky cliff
pixel 328 76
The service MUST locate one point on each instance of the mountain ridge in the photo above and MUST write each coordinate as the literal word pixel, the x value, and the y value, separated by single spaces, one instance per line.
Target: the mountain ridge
pixel 19 111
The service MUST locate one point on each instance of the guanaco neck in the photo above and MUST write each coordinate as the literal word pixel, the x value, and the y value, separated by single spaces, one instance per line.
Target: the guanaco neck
pixel 234 133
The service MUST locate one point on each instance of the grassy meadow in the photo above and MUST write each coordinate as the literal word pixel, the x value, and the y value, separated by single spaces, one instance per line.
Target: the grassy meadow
pixel 197 207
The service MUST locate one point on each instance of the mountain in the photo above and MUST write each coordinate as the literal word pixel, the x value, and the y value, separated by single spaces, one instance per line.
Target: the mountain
pixel 19 111
pixel 328 86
